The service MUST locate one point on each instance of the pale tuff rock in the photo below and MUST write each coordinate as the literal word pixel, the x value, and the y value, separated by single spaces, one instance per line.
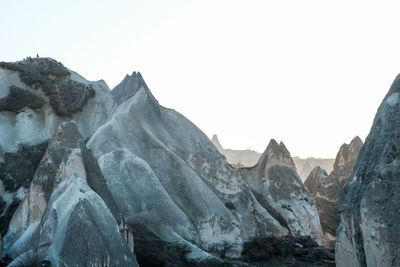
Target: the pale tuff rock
pixel 328 194
pixel 151 183
pixel 62 219
pixel 279 189
pixel 30 94
pixel 217 144
pixel 369 233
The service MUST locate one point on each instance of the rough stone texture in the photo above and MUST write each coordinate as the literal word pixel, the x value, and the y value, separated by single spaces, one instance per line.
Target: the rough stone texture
pixel 62 219
pixel 279 189
pixel 328 194
pixel 178 177
pixel 16 173
pixel 66 96
pixel 345 160
pixel 18 99
pixel 369 234
pixel 176 193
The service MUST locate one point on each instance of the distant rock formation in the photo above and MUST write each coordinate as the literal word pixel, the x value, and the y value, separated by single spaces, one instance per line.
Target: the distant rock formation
pixel 305 166
pixel 345 160
pixel 328 194
pixel 369 233
pixel 237 158
pixel 249 158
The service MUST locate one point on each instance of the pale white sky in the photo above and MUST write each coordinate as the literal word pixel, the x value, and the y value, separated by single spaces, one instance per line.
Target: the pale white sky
pixel 310 73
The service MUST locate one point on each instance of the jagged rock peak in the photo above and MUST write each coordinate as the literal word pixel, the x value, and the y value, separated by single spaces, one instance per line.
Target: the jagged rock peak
pixel 129 86
pixel 328 194
pixel 217 144
pixel 346 159
pixel 275 154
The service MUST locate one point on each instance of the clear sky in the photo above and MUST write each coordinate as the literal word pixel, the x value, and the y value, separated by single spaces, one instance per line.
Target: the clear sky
pixel 310 73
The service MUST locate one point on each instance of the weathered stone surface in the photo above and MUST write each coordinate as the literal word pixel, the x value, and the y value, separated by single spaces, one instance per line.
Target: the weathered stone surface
pixel 62 219
pixel 66 96
pixel 345 160
pixel 18 99
pixel 209 206
pixel 328 194
pixel 279 189
pixel 177 195
pixel 16 173
pixel 369 234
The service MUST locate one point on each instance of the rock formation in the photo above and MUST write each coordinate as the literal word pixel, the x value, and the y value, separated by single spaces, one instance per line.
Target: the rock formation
pixel 249 158
pixel 305 166
pixel 369 233
pixel 130 164
pixel 328 194
pixel 68 216
pixel 345 160
pixel 35 97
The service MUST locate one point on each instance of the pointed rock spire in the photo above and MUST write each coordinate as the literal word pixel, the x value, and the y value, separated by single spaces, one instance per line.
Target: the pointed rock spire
pixel 217 144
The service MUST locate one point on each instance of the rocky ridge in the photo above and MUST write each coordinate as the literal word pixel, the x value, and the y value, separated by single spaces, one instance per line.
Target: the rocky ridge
pixel 141 182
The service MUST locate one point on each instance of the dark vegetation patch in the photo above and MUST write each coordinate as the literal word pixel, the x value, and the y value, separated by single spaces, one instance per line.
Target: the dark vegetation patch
pixel 19 167
pixel 287 251
pixel 66 96
pixel 16 171
pixel 18 99
pixel 5 218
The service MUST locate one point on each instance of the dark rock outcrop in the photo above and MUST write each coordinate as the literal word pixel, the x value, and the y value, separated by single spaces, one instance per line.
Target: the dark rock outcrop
pixel 18 99
pixel 16 173
pixel 369 233
pixel 328 194
pixel 66 96
pixel 345 160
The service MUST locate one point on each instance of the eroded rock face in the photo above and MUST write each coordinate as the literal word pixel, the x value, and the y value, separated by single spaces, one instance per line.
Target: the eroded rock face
pixel 153 174
pixel 208 205
pixel 369 233
pixel 328 194
pixel 16 173
pixel 32 97
pixel 63 219
pixel 279 189
pixel 345 160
